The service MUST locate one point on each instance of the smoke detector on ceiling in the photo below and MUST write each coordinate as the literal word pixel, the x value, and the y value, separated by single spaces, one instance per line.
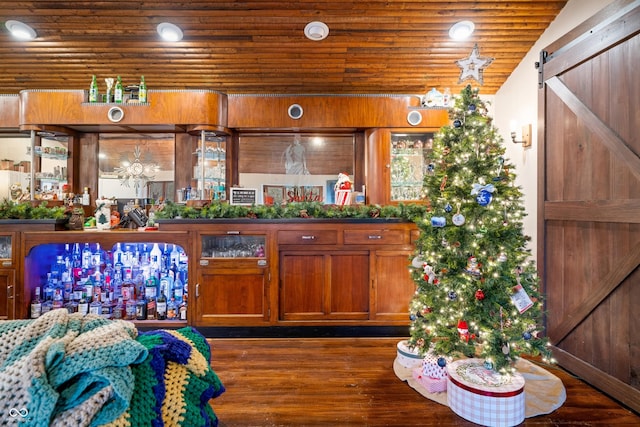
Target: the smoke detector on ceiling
pixel 316 31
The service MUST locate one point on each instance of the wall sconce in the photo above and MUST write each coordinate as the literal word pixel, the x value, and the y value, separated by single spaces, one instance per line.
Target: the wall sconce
pixel 526 136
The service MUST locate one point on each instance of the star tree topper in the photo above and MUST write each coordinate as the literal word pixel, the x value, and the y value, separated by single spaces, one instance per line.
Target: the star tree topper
pixel 473 66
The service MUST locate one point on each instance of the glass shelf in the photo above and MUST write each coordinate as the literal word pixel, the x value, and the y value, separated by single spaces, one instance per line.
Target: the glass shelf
pixel 409 163
pixel 209 170
pixel 233 246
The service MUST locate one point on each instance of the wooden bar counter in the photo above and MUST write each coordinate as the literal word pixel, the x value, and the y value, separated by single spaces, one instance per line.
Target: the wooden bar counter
pixel 259 272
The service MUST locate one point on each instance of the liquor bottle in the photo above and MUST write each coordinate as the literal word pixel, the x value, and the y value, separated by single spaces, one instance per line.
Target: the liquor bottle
pixel 96 306
pixel 93 90
pixel 178 290
pixel 88 286
pixel 87 257
pixel 172 309
pixel 49 288
pixel 166 283
pixel 76 261
pixel 58 268
pixel 182 310
pixel 58 300
pixel 130 309
pixel 86 197
pixel 118 91
pixel 71 306
pixel 97 258
pixel 161 305
pixel 119 309
pixel 155 257
pixel 151 308
pixel 151 287
pixel 83 304
pixel 166 259
pixel 36 304
pixel 141 308
pixel 175 256
pixel 107 308
pixel 142 91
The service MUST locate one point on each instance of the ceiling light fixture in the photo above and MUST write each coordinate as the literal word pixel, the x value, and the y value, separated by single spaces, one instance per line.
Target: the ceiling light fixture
pixel 20 30
pixel 316 31
pixel 170 32
pixel 461 30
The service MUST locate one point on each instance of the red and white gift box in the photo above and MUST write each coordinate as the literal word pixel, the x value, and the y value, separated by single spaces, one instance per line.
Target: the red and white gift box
pixel 430 375
pixel 485 396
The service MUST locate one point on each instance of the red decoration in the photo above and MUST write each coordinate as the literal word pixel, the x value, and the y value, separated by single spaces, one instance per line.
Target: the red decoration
pixel 479 295
pixel 463 330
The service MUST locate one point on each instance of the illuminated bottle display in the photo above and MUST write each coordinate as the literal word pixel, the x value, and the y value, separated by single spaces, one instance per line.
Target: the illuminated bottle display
pixel 132 281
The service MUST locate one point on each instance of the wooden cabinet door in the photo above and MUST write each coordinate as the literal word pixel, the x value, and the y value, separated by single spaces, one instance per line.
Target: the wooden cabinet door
pixel 7 294
pixel 393 286
pixel 324 286
pixel 228 297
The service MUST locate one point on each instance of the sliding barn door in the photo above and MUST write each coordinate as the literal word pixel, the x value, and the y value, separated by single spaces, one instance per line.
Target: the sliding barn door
pixel 589 181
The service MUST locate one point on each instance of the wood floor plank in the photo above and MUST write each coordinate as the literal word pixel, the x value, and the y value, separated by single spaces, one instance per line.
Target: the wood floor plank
pixel 350 382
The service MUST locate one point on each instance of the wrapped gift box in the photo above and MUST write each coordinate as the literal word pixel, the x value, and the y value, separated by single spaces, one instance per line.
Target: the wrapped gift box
pixel 432 385
pixel 484 396
pixel 408 357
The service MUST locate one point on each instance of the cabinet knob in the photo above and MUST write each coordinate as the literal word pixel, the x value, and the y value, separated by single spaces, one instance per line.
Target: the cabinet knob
pixel 308 237
pixel 375 237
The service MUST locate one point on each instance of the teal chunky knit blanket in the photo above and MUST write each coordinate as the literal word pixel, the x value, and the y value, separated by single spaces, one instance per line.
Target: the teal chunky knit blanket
pixel 71 370
pixel 66 369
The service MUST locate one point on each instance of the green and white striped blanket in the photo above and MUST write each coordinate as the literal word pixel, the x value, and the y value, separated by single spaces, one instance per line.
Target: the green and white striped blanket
pixel 66 369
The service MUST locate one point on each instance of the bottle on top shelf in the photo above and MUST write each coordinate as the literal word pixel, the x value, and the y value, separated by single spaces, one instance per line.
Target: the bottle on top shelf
pixel 118 91
pixel 142 91
pixel 93 89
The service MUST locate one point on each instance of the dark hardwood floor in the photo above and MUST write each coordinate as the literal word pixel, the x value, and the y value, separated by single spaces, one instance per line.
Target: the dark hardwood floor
pixel 350 382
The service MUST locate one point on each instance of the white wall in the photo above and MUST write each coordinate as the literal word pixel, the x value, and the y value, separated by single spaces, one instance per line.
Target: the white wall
pixel 516 103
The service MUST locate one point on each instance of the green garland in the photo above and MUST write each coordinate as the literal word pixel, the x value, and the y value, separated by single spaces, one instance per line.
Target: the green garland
pixel 24 210
pixel 409 212
pixel 215 210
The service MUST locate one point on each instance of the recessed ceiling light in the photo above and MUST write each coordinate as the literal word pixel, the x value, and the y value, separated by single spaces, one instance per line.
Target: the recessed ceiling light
pixel 20 30
pixel 316 30
pixel 170 32
pixel 461 30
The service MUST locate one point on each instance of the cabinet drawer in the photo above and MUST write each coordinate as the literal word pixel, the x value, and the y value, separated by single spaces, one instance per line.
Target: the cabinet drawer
pixel 375 237
pixel 307 237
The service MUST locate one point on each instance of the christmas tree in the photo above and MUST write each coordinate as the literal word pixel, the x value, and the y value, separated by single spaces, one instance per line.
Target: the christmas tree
pixel 477 291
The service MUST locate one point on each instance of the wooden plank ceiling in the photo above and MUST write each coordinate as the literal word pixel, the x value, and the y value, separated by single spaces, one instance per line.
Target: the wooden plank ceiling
pixel 373 47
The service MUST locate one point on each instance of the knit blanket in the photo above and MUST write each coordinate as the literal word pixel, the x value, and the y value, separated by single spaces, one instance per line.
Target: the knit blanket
pixel 66 369
pixel 174 383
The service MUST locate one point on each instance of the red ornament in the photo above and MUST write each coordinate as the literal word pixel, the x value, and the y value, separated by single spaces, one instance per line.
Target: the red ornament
pixel 479 295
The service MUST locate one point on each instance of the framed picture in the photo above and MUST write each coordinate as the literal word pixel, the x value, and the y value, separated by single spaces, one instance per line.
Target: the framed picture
pixel 273 194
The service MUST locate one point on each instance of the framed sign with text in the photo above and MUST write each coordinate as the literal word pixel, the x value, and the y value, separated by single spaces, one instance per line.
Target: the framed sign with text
pixel 243 196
